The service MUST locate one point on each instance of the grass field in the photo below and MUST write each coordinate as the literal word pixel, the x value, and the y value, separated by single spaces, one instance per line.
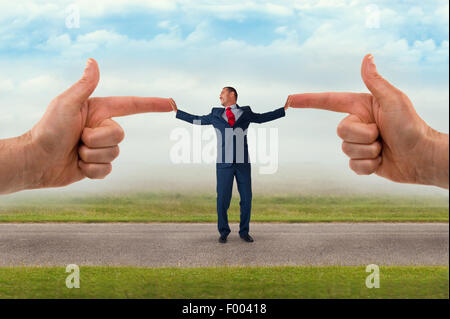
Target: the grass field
pixel 167 207
pixel 225 282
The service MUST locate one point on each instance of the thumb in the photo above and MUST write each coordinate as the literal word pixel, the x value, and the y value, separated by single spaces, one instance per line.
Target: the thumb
pixel 376 84
pixel 83 88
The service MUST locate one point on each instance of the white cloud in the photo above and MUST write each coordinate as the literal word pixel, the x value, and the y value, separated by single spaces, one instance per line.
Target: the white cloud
pixel 442 12
pixel 57 43
pixel 319 52
pixel 6 85
pixel 26 10
pixel 306 4
pixel 38 84
pixel 164 24
pixel 237 9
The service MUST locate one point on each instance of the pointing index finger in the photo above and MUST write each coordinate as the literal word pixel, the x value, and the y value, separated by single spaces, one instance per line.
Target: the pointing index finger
pixel 128 105
pixel 332 101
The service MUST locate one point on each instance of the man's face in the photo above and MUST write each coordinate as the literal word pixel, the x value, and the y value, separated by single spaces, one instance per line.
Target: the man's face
pixel 226 97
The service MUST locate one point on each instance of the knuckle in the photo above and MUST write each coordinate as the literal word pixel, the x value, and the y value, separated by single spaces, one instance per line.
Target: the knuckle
pixel 365 96
pixel 86 154
pixel 353 166
pixel 98 171
pixel 93 102
pixel 373 133
pixel 119 134
pixel 95 171
pixel 375 150
pixel 103 171
pixel 87 81
pixel 359 167
pixel 87 170
pixel 368 168
pixel 115 152
pixel 376 76
pixel 107 170
pixel 87 138
pixel 346 148
pixel 342 130
pixel 82 152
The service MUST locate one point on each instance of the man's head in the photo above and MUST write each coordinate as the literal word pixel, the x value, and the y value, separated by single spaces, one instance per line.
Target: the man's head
pixel 228 96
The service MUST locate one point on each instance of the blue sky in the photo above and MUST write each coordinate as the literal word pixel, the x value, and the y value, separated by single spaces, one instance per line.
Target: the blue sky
pixel 190 49
pixel 27 26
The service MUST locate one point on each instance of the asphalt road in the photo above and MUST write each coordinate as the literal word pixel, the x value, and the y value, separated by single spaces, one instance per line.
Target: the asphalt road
pixel 170 244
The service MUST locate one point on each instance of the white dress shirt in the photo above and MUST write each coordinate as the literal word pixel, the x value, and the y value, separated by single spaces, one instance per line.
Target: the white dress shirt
pixel 237 112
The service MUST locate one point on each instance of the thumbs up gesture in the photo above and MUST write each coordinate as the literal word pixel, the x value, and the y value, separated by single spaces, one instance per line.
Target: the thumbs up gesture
pixel 77 137
pixel 383 133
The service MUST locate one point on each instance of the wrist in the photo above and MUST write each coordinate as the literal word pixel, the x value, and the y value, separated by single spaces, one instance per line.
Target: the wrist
pixel 17 164
pixel 32 168
pixel 435 165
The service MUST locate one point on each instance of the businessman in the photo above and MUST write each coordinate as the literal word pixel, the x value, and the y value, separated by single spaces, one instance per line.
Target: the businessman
pixel 231 123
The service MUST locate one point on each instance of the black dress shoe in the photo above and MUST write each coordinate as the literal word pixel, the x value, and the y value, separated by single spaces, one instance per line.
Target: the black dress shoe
pixel 223 239
pixel 248 238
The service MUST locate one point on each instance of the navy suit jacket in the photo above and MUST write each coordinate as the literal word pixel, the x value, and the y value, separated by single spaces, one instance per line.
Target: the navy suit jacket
pixel 229 139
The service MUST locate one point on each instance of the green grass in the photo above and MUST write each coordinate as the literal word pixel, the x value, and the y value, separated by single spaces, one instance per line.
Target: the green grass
pixel 225 282
pixel 167 207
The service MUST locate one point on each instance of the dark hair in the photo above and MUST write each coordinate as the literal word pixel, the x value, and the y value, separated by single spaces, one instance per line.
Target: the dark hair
pixel 232 89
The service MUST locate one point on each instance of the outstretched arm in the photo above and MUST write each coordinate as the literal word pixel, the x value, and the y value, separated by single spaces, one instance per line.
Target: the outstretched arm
pixel 190 118
pixel 268 116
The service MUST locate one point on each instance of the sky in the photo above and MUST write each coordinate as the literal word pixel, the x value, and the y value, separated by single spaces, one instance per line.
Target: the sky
pixel 189 50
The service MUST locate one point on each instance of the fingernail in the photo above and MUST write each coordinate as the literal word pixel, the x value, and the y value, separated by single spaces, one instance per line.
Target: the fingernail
pixel 371 65
pixel 88 62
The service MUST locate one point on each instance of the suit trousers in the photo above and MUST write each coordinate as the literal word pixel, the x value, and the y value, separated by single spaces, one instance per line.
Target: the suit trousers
pixel 225 178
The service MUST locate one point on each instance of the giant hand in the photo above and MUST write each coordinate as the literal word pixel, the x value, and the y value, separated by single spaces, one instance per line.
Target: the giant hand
pixel 383 133
pixel 76 137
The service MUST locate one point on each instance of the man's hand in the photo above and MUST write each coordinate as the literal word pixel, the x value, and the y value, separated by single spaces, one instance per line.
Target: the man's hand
pixel 76 137
pixel 173 104
pixel 383 133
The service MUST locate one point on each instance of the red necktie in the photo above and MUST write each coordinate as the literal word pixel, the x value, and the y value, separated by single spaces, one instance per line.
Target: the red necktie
pixel 230 116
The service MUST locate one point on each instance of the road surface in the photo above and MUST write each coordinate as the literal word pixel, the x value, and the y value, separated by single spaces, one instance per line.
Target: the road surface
pixel 195 244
